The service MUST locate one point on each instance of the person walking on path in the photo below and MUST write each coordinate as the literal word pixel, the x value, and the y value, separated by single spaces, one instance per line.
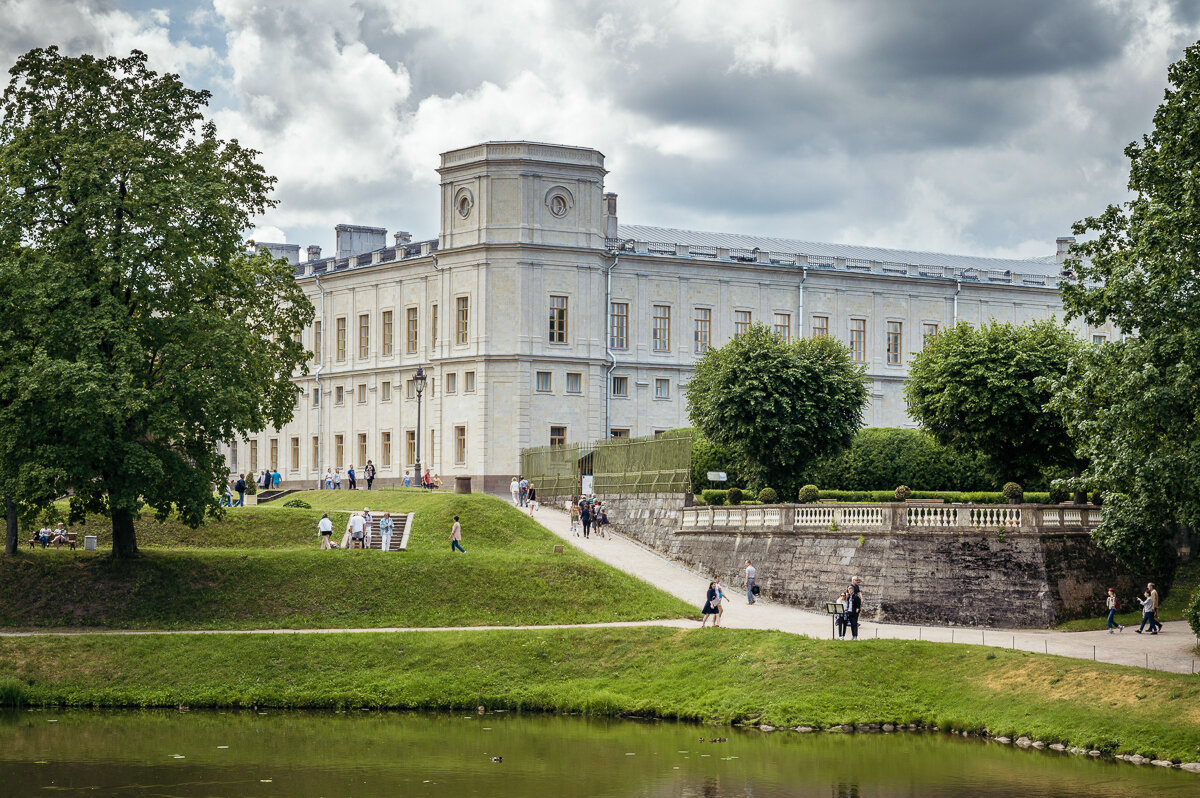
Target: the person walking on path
pixel 1112 612
pixel 276 479
pixel 720 600
pixel 240 487
pixel 853 607
pixel 711 607
pixel 514 488
pixel 532 499
pixel 337 479
pixel 574 518
pixel 523 485
pixel 456 537
pixel 350 475
pixel 227 497
pixel 325 530
pixel 1154 595
pixel 386 526
pixel 585 515
pixel 751 572
pixel 370 472
pixel 1147 614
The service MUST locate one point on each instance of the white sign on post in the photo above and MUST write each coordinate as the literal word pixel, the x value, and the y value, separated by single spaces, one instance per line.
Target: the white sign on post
pixel 587 484
pixel 717 476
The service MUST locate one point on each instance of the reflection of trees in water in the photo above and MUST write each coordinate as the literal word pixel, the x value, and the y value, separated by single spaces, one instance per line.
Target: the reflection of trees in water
pixel 845 791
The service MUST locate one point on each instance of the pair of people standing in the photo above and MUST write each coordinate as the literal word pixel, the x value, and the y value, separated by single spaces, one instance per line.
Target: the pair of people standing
pixel 849 606
pixel 713 603
pixel 1149 602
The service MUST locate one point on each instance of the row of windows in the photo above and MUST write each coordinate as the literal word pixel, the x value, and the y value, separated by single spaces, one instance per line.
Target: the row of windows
pixel 339 451
pixel 660 330
pixel 450 384
pixel 462 310
pixel 544 383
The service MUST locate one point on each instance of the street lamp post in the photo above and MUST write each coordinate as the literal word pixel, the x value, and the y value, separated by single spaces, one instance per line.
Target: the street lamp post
pixel 419 382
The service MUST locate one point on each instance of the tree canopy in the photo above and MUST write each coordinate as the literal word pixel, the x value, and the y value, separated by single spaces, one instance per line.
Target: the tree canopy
pixel 777 405
pixel 987 389
pixel 1134 405
pixel 137 331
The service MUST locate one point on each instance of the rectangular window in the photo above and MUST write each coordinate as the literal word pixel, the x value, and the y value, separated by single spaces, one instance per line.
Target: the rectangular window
pixel 364 335
pixel 362 449
pixel 385 450
pixel 662 388
pixel 410 447
pixel 895 342
pixel 410 389
pixel 339 447
pixel 316 396
pixel 574 382
pixel 741 322
pixel 460 445
pixel 362 394
pixel 385 391
pixel 619 433
pixel 858 340
pixel 233 449
pixel 463 318
pixel 620 386
pixel 339 395
pixel 783 326
pixel 295 454
pixel 254 456
pixel 558 436
pixel 619 334
pixel 433 321
pixel 662 328
pixel 558 319
pixel 274 457
pixel 1098 338
pixel 385 347
pixel 429 454
pixel 341 338
pixel 452 382
pixel 928 331
pixel 820 327
pixel 317 342
pixel 702 336
pixel 543 382
pixel 316 453
pixel 469 382
pixel 410 328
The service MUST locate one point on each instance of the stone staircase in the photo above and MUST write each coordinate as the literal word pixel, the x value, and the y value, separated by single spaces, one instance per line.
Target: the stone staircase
pixel 402 528
pixel 265 496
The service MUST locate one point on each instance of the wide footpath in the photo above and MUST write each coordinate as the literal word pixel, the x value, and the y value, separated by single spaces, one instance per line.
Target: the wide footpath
pixel 1171 650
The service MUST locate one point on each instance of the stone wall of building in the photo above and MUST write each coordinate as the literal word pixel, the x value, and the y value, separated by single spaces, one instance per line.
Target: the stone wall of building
pixel 1015 575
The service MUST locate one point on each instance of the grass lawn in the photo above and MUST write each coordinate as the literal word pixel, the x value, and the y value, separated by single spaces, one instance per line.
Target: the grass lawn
pixel 1171 608
pixel 260 567
pixel 708 675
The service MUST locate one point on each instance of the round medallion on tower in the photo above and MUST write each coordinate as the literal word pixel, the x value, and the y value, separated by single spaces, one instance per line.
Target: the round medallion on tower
pixel 464 200
pixel 559 201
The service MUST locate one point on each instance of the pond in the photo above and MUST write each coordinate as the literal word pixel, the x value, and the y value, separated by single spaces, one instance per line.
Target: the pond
pixel 391 754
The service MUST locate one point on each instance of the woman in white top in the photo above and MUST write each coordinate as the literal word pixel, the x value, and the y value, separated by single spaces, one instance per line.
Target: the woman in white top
pixel 514 488
pixel 325 530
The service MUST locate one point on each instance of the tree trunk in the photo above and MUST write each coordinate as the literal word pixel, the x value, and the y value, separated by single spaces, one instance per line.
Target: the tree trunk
pixel 1080 495
pixel 10 535
pixel 124 536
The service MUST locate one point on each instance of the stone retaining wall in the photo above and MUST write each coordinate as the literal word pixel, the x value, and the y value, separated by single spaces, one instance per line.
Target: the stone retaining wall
pixel 1034 568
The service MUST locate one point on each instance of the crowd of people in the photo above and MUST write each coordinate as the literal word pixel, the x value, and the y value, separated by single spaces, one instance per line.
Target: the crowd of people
pixel 524 493
pixel 1149 603
pixel 333 477
pixel 590 514
pixel 359 532
pixel 426 481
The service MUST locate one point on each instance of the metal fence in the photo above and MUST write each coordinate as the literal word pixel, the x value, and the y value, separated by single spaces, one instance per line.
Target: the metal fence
pixel 655 464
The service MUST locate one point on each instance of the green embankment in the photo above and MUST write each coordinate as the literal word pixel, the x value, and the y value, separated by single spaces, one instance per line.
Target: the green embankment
pixel 260 567
pixel 708 675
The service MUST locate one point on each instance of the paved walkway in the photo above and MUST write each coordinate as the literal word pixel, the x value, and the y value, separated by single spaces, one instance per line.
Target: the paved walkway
pixel 1170 650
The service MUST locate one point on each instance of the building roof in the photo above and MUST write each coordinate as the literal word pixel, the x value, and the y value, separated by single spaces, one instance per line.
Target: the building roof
pixel 1046 266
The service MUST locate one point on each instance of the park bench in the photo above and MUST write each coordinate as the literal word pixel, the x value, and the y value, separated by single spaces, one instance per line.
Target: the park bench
pixel 72 539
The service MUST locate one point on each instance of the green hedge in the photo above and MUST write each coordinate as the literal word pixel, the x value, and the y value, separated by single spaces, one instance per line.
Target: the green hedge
pixel 882 458
pixel 720 497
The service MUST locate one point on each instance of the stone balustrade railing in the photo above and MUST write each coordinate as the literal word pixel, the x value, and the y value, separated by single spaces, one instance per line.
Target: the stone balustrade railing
pixel 1015 518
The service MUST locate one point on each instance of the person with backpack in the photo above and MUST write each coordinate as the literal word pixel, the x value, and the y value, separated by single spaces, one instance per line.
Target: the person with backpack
pixel 1114 604
pixel 240 487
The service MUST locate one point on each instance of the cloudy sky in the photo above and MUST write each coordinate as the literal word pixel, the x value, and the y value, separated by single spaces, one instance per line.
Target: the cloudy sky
pixel 949 125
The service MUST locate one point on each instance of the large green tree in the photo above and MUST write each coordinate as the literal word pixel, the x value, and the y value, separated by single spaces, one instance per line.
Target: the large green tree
pixel 139 332
pixel 987 389
pixel 777 405
pixel 1134 405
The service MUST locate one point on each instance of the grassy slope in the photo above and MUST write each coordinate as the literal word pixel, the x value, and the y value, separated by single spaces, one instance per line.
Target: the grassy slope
pixel 260 567
pixel 1187 580
pixel 710 675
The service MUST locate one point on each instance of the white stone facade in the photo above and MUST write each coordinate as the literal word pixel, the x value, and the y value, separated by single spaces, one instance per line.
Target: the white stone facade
pixel 511 313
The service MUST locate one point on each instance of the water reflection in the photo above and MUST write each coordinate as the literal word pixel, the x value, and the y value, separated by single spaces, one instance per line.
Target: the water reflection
pixel 376 754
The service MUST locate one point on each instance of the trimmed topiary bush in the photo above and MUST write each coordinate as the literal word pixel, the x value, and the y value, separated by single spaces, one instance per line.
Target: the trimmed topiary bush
pixel 809 494
pixel 1013 492
pixel 733 495
pixel 303 505
pixel 768 496
pixel 903 493
pixel 713 496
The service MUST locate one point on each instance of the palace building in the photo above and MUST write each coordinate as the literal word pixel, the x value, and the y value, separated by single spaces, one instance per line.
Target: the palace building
pixel 538 319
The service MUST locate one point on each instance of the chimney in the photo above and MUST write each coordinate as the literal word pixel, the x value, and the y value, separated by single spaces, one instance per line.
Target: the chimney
pixel 403 238
pixel 1064 244
pixel 314 252
pixel 610 215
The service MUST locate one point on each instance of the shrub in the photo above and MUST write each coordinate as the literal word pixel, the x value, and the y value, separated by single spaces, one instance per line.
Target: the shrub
pixel 713 497
pixel 303 505
pixel 809 494
pixel 768 496
pixel 1193 612
pixel 251 485
pixel 733 495
pixel 708 456
pixel 903 492
pixel 1013 492
pixel 879 457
